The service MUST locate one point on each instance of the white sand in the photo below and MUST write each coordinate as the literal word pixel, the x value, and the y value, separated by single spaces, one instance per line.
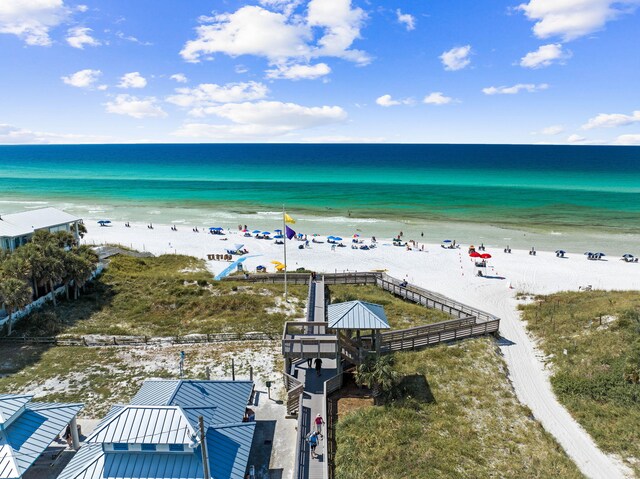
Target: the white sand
pixel 451 273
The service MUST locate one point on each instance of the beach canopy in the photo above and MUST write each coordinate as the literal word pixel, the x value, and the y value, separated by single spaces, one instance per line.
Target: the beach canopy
pixel 447 241
pixel 475 254
pixel 337 238
pixel 104 222
pixel 588 253
pixel 601 254
pixel 278 237
pixel 278 231
pixel 331 237
pixel 216 228
pixel 485 256
pixel 627 255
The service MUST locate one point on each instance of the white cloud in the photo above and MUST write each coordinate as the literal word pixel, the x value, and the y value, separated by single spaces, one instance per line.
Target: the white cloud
pixel 209 94
pixel 132 80
pixel 576 139
pixel 545 56
pixel 78 37
pixel 179 77
pixel 12 135
pixel 629 139
pixel 610 120
pixel 386 101
pixel 83 78
pixel 281 36
pixel 457 58
pixel 552 130
pixel 132 39
pixel 512 90
pixel 31 20
pixel 437 98
pixel 571 19
pixel 407 19
pixel 299 72
pixel 262 119
pixel 136 107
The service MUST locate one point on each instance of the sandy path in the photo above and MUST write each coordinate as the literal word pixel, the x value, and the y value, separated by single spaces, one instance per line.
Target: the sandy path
pixel 450 273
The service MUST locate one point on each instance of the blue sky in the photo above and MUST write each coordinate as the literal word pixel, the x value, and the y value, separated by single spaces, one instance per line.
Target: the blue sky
pixel 542 71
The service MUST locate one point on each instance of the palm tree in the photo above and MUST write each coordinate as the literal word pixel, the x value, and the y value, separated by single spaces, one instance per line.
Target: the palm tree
pixel 377 373
pixel 79 269
pixel 15 294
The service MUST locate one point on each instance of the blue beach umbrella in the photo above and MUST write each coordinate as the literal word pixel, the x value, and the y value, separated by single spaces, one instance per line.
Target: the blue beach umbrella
pixel 278 237
pixel 278 231
pixel 266 233
pixel 104 222
pixel 255 232
pixel 447 241
pixel 331 237
pixel 337 238
pixel 215 228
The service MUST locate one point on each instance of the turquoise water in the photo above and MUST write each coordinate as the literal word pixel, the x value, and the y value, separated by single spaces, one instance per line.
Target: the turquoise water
pixel 541 188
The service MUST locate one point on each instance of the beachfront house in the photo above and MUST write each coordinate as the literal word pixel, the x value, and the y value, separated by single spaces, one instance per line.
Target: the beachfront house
pixel 158 434
pixel 28 428
pixel 16 229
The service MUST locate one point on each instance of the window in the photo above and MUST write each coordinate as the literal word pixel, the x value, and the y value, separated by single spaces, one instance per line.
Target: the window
pixel 148 447
pixel 121 447
pixel 176 447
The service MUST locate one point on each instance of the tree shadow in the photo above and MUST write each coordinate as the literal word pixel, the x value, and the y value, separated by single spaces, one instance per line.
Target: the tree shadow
pixel 417 387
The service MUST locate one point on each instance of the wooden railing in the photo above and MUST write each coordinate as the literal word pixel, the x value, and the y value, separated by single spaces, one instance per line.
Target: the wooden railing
pixel 402 334
pixel 329 438
pixel 294 400
pixel 302 458
pixel 429 339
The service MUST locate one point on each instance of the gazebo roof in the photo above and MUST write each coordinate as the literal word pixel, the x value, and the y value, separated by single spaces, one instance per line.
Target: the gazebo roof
pixel 357 315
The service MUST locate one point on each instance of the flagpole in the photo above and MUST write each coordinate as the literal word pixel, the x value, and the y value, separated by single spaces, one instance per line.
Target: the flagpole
pixel 284 231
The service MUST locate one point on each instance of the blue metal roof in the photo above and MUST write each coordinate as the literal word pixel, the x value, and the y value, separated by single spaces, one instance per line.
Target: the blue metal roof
pixel 357 315
pixel 174 405
pixel 146 424
pixel 10 404
pixel 230 398
pixel 229 447
pixel 26 438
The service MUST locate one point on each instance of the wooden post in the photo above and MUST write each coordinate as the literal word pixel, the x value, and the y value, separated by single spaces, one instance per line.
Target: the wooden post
pixel 250 373
pixel 233 369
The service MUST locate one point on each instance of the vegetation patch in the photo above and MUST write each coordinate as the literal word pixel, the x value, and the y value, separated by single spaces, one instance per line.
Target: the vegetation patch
pixel 592 340
pixel 169 295
pixel 457 416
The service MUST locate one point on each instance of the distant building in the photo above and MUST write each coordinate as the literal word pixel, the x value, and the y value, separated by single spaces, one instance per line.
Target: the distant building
pixel 16 229
pixel 157 435
pixel 28 428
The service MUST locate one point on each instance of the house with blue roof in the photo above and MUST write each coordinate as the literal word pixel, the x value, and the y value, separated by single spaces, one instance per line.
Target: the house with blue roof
pixel 351 318
pixel 157 435
pixel 28 428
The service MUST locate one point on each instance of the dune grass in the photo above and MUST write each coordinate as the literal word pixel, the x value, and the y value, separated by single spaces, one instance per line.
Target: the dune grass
pixel 401 313
pixel 591 338
pixel 167 295
pixel 458 417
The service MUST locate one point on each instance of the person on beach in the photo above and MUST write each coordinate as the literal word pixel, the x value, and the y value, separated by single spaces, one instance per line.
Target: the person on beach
pixel 319 422
pixel 318 364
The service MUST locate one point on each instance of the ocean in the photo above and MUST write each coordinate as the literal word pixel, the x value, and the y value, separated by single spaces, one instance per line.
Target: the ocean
pixel 542 190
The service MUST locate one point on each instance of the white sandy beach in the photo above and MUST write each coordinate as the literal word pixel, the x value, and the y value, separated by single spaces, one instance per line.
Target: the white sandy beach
pixel 449 272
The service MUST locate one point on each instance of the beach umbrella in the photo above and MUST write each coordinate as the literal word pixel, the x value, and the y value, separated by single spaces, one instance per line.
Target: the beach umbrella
pixel 447 241
pixel 627 255
pixel 278 231
pixel 331 237
pixel 337 238
pixel 601 254
pixel 215 228
pixel 588 253
pixel 475 254
pixel 238 246
pixel 300 235
pixel 104 222
pixel 266 232
pixel 255 232
pixel 245 230
pixel 315 234
pixel 485 256
pixel 278 237
pixel 560 251
pixel 356 235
